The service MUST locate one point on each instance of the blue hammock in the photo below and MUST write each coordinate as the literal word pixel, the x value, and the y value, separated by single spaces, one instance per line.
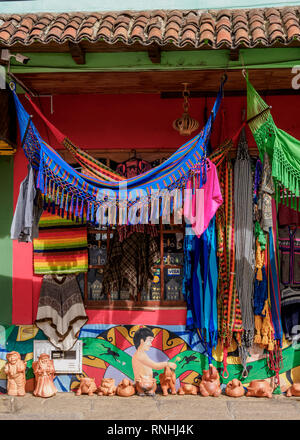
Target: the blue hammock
pixel 73 191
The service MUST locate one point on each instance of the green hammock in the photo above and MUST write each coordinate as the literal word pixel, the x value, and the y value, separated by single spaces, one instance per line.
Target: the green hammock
pixel 282 148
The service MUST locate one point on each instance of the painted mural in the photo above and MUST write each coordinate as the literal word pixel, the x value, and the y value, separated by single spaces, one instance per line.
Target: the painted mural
pixel 110 351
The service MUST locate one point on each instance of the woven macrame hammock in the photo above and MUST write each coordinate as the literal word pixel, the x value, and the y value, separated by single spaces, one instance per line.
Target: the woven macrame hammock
pixel 82 194
pixel 282 148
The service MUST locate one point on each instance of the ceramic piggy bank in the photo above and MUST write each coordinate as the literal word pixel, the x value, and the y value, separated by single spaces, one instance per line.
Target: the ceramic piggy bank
pixel 125 388
pixel 234 388
pixel 87 386
pixel 210 383
pixel 259 388
pixel 167 381
pixel 107 387
pixel 145 385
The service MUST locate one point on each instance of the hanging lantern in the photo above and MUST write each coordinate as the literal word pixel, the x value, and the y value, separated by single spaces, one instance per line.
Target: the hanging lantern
pixel 186 124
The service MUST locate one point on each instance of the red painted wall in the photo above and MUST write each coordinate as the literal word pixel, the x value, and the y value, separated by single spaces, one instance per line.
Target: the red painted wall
pixel 124 121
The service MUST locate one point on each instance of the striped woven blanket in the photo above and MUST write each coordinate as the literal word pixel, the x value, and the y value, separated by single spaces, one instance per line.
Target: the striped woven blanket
pixel 61 246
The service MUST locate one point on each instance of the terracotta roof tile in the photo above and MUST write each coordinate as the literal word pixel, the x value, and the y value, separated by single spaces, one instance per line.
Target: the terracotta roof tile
pixel 188 35
pixel 196 27
pixel 207 36
pixel 242 35
pixel 293 31
pixel 259 34
pixel 224 36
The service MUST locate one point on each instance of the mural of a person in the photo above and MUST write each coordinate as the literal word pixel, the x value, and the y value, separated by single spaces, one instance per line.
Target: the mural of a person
pixel 142 365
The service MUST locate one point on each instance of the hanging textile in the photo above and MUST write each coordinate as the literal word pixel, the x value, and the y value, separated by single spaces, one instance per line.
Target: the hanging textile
pixel 200 208
pixel 200 285
pixel 61 312
pixel 28 210
pixel 229 312
pixel 61 246
pixel 282 148
pixel 130 264
pixel 58 180
pixel 244 243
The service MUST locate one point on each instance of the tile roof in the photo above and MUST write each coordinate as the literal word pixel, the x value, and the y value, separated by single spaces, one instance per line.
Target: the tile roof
pixel 229 28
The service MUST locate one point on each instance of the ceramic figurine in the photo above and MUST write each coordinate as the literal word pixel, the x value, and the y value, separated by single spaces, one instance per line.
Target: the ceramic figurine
pixel 87 386
pixel 167 381
pixel 235 388
pixel 293 390
pixel 107 387
pixel 145 385
pixel 259 388
pixel 188 389
pixel 15 372
pixel 125 388
pixel 210 383
pixel 44 374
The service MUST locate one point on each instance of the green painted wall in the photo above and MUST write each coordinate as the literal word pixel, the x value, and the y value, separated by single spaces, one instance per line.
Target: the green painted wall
pixel 22 7
pixel 170 60
pixel 6 213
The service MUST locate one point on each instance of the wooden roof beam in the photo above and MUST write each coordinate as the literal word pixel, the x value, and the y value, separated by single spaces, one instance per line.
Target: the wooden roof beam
pixel 154 53
pixel 77 53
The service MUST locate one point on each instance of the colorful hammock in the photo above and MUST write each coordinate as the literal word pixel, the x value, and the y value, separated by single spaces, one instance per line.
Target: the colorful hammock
pixel 282 148
pixel 229 311
pixel 75 191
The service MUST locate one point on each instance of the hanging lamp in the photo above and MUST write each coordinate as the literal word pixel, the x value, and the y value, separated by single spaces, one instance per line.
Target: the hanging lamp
pixel 186 124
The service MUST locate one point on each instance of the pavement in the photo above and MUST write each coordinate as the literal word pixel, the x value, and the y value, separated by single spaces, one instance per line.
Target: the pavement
pixel 68 406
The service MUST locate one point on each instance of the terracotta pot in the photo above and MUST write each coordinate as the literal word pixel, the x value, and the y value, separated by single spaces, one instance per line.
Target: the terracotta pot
pixel 234 388
pixel 210 383
pixel 87 386
pixel 107 387
pixel 167 381
pixel 294 390
pixel 259 388
pixel 188 389
pixel 125 388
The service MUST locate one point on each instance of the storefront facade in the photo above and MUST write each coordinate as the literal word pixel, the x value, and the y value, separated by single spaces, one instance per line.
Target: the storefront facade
pixel 114 84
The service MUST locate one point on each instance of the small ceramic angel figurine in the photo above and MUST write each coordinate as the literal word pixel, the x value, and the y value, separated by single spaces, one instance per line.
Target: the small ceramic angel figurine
pixel 15 371
pixel 44 374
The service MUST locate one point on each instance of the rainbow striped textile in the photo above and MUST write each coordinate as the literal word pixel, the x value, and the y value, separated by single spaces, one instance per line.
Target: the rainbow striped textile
pixel 79 194
pixel 61 246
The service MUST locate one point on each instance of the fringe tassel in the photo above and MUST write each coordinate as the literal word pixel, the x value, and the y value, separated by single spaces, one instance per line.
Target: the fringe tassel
pixel 71 205
pixel 81 211
pixel 76 208
pixel 88 212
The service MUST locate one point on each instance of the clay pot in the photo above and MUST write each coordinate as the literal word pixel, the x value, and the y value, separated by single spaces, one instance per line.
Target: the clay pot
pixel 107 387
pixel 167 381
pixel 294 390
pixel 210 383
pixel 259 388
pixel 125 388
pixel 87 386
pixel 145 385
pixel 234 388
pixel 188 389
